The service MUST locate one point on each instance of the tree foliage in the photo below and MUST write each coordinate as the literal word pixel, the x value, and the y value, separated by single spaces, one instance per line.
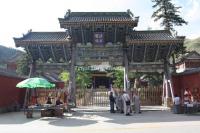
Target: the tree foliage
pixel 64 76
pixel 83 78
pixel 118 78
pixel 7 54
pixel 23 64
pixel 168 12
pixel 154 79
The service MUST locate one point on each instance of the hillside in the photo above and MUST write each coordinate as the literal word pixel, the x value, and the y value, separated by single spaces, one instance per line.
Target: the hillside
pixel 193 44
pixel 9 54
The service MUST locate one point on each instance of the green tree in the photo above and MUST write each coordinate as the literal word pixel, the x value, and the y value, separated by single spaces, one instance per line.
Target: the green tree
pixel 64 76
pixel 118 78
pixel 154 79
pixel 83 78
pixel 168 13
pixel 23 64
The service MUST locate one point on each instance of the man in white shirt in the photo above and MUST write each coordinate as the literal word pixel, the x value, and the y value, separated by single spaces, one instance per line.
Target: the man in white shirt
pixel 177 104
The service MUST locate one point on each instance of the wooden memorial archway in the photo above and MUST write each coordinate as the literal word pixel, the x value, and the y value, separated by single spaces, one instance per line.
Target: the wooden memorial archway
pixel 96 37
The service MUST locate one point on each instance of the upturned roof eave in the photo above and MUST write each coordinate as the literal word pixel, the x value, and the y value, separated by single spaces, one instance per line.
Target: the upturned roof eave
pixel 19 42
pixel 64 22
pixel 131 41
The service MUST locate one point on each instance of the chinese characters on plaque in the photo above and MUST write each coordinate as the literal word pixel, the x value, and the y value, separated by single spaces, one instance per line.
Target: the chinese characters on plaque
pixel 98 38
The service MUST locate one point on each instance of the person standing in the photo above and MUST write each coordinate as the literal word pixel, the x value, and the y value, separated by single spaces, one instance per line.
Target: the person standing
pixel 48 100
pixel 187 95
pixel 58 101
pixel 136 101
pixel 119 103
pixel 127 103
pixel 112 102
pixel 176 104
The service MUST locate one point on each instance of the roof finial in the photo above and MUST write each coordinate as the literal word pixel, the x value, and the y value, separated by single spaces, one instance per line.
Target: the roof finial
pixel 29 30
pixel 130 13
pixel 67 13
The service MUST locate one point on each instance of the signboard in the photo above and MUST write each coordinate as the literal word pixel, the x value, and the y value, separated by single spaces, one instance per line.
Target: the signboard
pixel 99 38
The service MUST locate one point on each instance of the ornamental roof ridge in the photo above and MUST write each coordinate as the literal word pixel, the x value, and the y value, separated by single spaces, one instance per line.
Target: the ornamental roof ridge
pixel 87 14
pixel 76 18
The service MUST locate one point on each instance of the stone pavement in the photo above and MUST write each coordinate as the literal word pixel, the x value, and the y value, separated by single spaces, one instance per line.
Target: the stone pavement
pixel 101 121
pixel 103 109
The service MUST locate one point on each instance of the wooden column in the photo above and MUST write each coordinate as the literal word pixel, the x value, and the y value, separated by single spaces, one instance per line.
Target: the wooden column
pixel 115 36
pixel 82 35
pixel 126 81
pixel 32 69
pixel 72 74
pixel 168 98
pixel 31 74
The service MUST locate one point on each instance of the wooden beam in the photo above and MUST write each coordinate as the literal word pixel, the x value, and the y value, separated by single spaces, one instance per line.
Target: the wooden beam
pixel 132 53
pixel 157 51
pixel 40 52
pixel 54 58
pixel 159 70
pixel 82 35
pixel 169 51
pixel 115 39
pixel 65 55
pixel 145 47
pixel 146 63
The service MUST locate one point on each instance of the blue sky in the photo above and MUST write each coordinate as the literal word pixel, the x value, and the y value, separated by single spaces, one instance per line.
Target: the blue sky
pixel 18 16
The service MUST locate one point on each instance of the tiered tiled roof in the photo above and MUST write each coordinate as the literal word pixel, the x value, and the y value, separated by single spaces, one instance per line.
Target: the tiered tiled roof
pixel 8 73
pixel 72 18
pixel 152 35
pixel 141 46
pixel 193 55
pixel 189 71
pixel 43 37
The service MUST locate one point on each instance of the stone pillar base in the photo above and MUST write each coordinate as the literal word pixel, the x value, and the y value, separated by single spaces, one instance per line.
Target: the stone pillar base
pixel 168 102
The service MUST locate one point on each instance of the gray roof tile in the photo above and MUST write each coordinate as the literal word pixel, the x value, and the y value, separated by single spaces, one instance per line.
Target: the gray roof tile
pixel 79 17
pixel 151 35
pixel 98 16
pixel 44 36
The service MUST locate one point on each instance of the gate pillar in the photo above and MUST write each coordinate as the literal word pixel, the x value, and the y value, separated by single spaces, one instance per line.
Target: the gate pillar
pixel 126 81
pixel 73 75
pixel 167 86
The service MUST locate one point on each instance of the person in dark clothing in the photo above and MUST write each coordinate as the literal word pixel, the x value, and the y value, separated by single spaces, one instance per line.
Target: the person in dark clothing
pixel 58 101
pixel 112 102
pixel 51 112
pixel 49 100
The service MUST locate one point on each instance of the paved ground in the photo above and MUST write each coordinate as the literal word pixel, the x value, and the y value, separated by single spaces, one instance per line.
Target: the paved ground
pixel 101 121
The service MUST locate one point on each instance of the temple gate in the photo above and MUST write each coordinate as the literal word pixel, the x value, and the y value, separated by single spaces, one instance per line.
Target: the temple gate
pixel 93 38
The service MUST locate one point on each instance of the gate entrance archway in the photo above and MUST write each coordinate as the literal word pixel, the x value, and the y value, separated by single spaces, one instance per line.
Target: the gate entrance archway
pixel 95 37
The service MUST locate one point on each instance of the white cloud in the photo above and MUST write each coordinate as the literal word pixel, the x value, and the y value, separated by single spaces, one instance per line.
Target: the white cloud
pixel 154 25
pixel 194 35
pixel 193 13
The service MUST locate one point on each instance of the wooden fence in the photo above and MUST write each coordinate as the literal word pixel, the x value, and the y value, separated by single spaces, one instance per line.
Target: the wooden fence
pixel 100 97
pixel 150 96
pixel 97 97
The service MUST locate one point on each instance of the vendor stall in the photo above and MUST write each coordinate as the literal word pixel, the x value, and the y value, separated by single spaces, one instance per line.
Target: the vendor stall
pixel 38 92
